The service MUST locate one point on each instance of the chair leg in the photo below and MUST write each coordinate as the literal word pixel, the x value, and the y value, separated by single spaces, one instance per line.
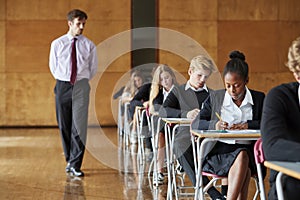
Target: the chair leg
pixel 279 186
pixel 257 192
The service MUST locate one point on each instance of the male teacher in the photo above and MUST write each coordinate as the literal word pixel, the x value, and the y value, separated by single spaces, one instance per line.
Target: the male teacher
pixel 73 62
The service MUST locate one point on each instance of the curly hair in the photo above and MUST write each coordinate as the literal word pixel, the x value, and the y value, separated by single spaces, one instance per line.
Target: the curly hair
pixel 293 62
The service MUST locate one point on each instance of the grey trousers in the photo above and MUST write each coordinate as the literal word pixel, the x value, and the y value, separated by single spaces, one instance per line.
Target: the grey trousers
pixel 72 102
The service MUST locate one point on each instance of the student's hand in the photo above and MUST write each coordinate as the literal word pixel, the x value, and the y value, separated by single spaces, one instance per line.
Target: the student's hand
pixel 193 113
pixel 221 125
pixel 146 104
pixel 239 126
pixel 126 99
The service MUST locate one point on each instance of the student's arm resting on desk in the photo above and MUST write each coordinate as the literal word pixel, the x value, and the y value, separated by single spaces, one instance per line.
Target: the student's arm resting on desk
pixel 118 93
pixel 171 107
pixel 158 101
pixel 140 97
pixel 208 119
pixel 280 125
pixel 203 120
pixel 143 93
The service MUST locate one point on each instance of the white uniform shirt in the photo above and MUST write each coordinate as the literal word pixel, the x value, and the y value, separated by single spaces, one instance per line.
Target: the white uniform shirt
pixel 188 85
pixel 166 93
pixel 232 114
pixel 60 58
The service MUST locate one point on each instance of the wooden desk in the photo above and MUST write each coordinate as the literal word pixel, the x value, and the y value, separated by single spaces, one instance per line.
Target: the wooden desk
pixel 240 134
pixel 288 168
pixel 209 136
pixel 169 142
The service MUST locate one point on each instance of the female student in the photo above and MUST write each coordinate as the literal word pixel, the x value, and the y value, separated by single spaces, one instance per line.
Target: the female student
pixel 132 86
pixel 162 83
pixel 239 108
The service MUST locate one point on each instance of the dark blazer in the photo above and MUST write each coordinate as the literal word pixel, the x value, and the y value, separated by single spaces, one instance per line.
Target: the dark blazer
pixel 158 100
pixel 143 93
pixel 140 97
pixel 180 101
pixel 118 93
pixel 280 128
pixel 207 119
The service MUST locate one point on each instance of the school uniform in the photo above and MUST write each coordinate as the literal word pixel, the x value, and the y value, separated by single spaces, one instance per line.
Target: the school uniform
pixel 220 156
pixel 280 130
pixel 179 102
pixel 140 97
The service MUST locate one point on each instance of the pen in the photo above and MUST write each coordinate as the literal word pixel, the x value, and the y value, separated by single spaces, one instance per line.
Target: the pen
pixel 223 123
pixel 218 116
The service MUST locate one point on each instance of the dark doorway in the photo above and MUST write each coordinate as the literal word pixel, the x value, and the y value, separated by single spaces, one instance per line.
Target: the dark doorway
pixel 144 41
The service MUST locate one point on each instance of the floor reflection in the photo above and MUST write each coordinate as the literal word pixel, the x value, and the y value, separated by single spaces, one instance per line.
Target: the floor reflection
pixel 20 180
pixel 74 189
pixel 137 179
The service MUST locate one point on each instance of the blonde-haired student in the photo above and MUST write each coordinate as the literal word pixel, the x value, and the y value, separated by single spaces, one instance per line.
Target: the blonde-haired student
pixel 162 83
pixel 280 127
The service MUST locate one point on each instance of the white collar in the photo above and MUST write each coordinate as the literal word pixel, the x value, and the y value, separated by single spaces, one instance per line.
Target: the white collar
pixel 188 85
pixel 248 99
pixel 165 92
pixel 70 37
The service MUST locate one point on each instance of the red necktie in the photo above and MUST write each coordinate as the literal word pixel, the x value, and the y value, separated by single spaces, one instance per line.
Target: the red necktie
pixel 73 63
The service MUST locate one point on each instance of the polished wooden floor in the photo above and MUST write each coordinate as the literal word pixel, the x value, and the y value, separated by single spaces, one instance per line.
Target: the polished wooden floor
pixel 32 166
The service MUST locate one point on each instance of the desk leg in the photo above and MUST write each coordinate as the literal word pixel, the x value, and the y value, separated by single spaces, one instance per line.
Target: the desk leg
pixel 279 186
pixel 155 137
pixel 167 133
pixel 172 161
pixel 200 154
pixel 199 181
pixel 197 170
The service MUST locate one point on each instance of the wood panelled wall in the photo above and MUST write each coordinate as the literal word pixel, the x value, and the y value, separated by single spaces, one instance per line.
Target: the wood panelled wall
pixel 262 29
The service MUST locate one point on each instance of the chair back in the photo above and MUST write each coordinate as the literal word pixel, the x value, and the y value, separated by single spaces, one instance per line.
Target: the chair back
pixel 259 160
pixel 148 111
pixel 258 152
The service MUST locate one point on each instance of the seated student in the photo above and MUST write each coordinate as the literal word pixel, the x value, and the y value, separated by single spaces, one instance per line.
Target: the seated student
pixel 119 93
pixel 139 99
pixel 280 126
pixel 239 108
pixel 132 86
pixel 185 101
pixel 162 83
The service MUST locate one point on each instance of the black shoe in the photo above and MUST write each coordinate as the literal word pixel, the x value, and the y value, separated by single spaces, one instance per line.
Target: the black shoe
pixel 221 198
pixel 159 179
pixel 68 168
pixel 76 172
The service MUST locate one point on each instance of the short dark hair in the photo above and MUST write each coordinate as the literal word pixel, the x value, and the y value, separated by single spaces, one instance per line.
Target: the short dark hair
pixel 76 14
pixel 237 64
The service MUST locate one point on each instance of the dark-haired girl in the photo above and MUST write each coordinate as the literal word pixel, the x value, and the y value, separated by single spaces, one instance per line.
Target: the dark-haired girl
pixel 239 108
